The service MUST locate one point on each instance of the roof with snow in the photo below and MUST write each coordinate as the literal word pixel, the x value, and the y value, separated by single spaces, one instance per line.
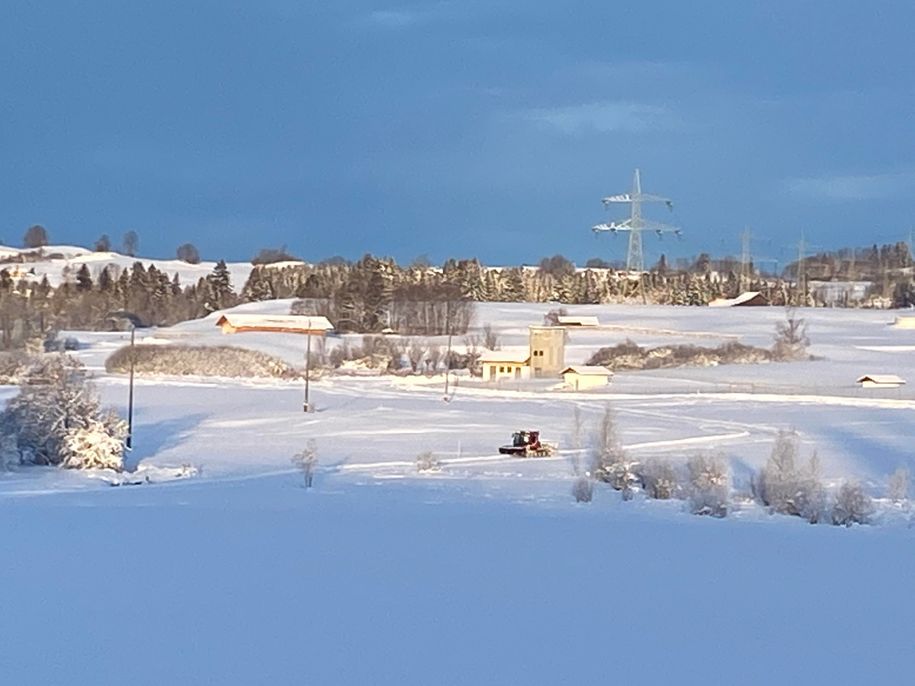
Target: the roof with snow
pixel 745 299
pixel 289 323
pixel 575 320
pixel 882 379
pixel 519 356
pixel 587 370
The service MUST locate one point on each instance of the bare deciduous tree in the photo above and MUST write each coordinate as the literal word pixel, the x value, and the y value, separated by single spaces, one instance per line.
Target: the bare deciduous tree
pixel 791 338
pixel 416 352
pixel 307 461
pixel 490 339
pixel 898 489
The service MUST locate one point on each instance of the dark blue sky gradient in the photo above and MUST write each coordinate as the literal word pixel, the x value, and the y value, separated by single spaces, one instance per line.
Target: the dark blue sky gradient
pixel 455 129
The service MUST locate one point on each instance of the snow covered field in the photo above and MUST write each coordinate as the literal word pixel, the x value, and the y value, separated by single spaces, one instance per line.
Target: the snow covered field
pixel 483 572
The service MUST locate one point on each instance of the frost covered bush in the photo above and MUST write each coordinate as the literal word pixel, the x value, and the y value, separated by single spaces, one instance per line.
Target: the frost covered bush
pixel 788 489
pixel 852 506
pixel 57 420
pixel 709 487
pixel 427 462
pixel 307 461
pixel 582 489
pixel 659 479
pixel 200 361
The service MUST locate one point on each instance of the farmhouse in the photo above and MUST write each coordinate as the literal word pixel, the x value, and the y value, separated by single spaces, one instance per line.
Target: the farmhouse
pixel 275 323
pixel 583 377
pixel 501 365
pixel 880 381
pixel 746 299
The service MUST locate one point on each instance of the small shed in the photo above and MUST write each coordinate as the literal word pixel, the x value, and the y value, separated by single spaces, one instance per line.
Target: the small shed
pixel 577 320
pixel 501 365
pixel 745 299
pixel 880 381
pixel 585 377
pixel 274 323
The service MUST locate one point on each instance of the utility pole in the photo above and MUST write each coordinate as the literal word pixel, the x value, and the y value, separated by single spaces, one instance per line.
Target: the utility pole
pixel 129 441
pixel 635 224
pixel 307 406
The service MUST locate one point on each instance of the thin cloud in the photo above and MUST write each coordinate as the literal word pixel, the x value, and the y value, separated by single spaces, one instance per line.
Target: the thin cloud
pixel 851 187
pixel 393 19
pixel 603 117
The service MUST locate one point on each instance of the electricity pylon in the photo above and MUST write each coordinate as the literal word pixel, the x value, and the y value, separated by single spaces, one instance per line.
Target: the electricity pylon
pixel 635 224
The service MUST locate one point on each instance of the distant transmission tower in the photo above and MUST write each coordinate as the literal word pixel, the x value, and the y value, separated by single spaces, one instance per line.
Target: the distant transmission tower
pixel 635 224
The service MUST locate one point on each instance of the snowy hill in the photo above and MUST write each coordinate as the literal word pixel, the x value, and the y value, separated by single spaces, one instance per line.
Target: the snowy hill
pixel 64 260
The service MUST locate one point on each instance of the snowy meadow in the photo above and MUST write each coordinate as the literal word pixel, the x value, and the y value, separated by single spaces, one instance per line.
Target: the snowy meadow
pixel 482 569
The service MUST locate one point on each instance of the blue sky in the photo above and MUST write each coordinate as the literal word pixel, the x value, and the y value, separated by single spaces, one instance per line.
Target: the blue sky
pixel 455 128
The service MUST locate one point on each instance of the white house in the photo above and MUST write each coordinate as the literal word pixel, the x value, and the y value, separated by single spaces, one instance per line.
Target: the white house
pixel 906 322
pixel 502 365
pixel 880 381
pixel 584 377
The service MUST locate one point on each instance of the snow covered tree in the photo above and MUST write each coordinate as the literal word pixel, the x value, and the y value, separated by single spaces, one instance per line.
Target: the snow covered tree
pixel 57 415
pixel 659 479
pixel 786 488
pixel 582 489
pixel 709 488
pixel 97 445
pixel 609 462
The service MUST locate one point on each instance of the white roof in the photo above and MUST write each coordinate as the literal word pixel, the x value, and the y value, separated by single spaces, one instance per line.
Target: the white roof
pixel 575 320
pixel 519 356
pixel 731 302
pixel 290 322
pixel 890 379
pixel 588 370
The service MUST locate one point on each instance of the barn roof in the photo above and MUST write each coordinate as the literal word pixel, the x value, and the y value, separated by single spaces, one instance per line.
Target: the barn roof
pixel 745 298
pixel 889 379
pixel 588 370
pixel 575 320
pixel 519 356
pixel 289 323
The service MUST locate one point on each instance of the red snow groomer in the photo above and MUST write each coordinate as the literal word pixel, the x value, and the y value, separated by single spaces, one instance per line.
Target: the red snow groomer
pixel 528 444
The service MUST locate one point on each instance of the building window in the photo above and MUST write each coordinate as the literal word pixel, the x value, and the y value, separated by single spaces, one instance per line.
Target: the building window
pixel 501 369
